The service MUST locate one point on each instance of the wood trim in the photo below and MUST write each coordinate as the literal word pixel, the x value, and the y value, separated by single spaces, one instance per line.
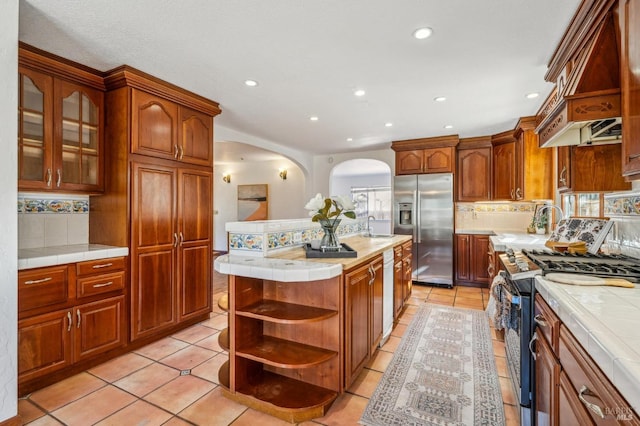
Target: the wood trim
pixel 475 142
pixel 57 66
pixel 422 143
pixel 526 123
pixel 505 137
pixel 128 76
pixel 12 421
pixel 582 27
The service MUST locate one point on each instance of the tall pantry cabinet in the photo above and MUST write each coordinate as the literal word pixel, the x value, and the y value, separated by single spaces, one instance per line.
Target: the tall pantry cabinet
pixel 158 197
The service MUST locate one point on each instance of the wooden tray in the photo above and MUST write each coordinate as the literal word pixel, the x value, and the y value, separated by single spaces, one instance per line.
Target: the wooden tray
pixel 346 251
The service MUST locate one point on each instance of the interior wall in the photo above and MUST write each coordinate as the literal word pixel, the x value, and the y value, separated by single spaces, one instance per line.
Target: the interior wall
pixel 8 211
pixel 286 197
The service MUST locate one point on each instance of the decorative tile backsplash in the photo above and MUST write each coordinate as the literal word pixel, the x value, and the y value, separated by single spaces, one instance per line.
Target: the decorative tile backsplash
pixel 258 238
pixel 624 210
pixel 46 220
pixel 494 216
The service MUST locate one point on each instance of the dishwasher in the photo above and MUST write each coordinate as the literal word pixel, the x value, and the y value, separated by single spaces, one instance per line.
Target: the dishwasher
pixel 387 295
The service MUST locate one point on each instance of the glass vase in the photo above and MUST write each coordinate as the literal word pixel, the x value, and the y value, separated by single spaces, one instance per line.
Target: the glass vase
pixel 330 239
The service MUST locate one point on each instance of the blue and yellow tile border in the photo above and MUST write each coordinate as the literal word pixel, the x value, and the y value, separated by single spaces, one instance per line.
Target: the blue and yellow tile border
pixel 497 207
pixel 35 204
pixel 626 204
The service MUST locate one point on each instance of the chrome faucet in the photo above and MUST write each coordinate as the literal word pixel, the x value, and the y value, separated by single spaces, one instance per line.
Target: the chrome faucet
pixel 368 225
pixel 551 206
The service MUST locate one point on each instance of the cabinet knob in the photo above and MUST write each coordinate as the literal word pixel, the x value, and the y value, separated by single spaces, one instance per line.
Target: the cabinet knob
pixel 584 390
pixel 539 319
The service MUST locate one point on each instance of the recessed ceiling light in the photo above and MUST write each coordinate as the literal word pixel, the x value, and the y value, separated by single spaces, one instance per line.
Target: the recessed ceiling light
pixel 349 139
pixel 251 83
pixel 422 33
pixel 440 99
pixel 313 118
pixel 448 126
pixel 532 95
pixel 359 92
pixel 388 124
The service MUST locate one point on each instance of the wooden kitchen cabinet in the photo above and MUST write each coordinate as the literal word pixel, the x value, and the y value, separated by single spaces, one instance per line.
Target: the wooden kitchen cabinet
pixel 363 307
pixel 629 20
pixel 566 373
pixel 504 170
pixel 60 124
pixel 472 259
pixel 158 199
pixel 427 155
pixel 597 168
pixel 473 171
pixel 493 262
pixel 402 277
pixel 68 314
pixel 164 129
pixel 407 270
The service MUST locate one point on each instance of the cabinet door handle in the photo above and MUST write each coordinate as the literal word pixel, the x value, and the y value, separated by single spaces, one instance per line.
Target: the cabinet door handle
pixel 103 284
pixel 49 175
pixel 531 342
pixel 181 152
pixel 539 319
pixel 584 390
pixel 175 152
pixel 181 238
pixel 59 180
pixel 563 174
pixel 175 239
pixel 518 193
pixel 42 280
pixel 69 320
pixel 78 317
pixel 512 193
pixel 103 265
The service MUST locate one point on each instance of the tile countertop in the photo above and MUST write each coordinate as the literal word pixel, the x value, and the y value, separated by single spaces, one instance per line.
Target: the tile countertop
pixel 290 265
pixel 605 322
pixel 59 255
pixel 518 241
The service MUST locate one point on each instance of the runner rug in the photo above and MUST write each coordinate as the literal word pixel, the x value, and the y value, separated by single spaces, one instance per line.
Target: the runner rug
pixel 443 373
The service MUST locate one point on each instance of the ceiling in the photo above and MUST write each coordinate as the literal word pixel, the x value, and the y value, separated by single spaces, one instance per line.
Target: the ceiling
pixel 309 57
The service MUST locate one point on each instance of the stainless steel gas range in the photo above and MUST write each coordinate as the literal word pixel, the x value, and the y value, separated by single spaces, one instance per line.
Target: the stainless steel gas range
pixel 520 271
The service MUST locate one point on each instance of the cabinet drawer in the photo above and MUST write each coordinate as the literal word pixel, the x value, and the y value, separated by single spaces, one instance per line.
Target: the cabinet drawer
pixel 100 266
pixel 397 253
pixel 407 248
pixel 583 372
pixel 42 287
pixel 547 323
pixel 103 283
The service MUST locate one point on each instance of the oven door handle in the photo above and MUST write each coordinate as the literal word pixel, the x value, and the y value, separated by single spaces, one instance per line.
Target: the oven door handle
pixel 531 342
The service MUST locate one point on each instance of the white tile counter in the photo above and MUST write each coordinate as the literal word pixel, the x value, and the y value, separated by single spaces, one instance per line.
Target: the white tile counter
pixel 606 322
pixel 518 241
pixel 276 269
pixel 59 255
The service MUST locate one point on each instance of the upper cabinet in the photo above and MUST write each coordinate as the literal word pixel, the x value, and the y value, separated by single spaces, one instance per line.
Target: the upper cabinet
pixel 428 155
pixel 521 169
pixel 60 124
pixel 473 172
pixel 629 11
pixel 164 129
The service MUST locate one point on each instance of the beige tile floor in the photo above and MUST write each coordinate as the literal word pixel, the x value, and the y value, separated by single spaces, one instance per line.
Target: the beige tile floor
pixel 145 387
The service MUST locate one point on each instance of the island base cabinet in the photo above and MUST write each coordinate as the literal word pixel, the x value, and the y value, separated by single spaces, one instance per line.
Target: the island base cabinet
pixel 284 346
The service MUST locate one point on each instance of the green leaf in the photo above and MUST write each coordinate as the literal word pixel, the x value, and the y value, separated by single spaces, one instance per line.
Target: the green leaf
pixel 350 215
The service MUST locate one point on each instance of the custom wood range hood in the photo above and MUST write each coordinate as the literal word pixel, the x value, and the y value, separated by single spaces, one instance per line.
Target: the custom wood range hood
pixel 584 107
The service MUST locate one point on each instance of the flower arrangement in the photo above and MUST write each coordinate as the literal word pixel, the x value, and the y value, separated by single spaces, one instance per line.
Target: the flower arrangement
pixel 327 211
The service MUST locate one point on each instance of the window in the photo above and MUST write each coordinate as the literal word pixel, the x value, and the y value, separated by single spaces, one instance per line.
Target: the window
pixel 372 201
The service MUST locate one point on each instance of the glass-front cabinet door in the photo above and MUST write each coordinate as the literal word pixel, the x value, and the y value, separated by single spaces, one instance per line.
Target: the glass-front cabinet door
pixel 79 132
pixel 35 130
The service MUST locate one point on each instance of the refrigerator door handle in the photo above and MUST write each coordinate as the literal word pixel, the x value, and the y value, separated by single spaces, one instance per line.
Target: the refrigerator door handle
pixel 418 226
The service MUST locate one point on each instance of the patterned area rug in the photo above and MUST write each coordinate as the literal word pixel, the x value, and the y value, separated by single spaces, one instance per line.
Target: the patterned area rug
pixel 443 373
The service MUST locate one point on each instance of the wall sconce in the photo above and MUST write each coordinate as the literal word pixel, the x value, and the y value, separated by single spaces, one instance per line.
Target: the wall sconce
pixel 283 174
pixel 227 177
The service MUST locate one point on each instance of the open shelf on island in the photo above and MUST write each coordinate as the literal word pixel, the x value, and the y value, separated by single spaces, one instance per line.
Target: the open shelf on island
pixel 282 312
pixel 284 353
pixel 286 398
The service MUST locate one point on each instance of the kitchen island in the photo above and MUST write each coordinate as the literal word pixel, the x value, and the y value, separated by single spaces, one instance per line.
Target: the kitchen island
pixel 301 330
pixel 592 337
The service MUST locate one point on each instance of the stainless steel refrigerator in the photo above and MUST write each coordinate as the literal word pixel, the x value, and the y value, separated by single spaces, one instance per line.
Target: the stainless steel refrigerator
pixel 423 208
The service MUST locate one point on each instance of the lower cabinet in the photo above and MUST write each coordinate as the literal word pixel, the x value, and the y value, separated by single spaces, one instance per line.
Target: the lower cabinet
pixel 68 314
pixel 53 341
pixel 402 276
pixel 570 387
pixel 472 259
pixel 363 316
